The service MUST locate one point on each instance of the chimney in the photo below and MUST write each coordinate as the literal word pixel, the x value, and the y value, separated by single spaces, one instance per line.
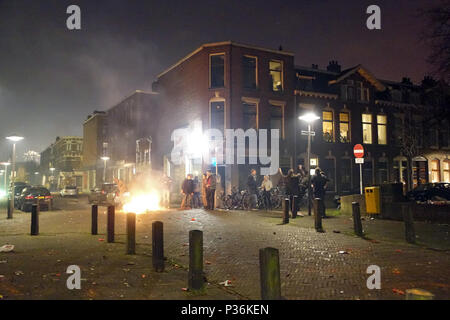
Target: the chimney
pixel 334 66
pixel 315 66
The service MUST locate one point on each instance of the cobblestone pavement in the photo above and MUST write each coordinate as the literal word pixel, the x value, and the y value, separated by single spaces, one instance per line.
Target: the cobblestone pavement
pixel 311 265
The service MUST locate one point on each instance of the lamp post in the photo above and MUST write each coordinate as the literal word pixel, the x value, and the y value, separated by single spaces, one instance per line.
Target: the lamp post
pixel 309 118
pixel 14 139
pixel 104 167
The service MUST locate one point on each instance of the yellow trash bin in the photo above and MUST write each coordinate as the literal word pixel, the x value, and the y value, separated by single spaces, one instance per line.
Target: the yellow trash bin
pixel 372 195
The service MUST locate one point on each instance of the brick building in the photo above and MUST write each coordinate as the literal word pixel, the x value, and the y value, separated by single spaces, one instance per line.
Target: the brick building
pixel 227 85
pixel 388 118
pixel 94 137
pixel 130 127
pixel 61 163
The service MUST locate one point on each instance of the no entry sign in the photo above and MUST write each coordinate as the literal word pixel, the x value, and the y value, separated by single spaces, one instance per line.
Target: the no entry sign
pixel 358 151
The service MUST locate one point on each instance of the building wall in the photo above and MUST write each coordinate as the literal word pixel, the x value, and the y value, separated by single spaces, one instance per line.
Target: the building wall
pixel 185 91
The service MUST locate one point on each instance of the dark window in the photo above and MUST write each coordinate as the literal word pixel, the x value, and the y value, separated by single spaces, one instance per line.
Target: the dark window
pixel 328 167
pixel 382 170
pixel 218 115
pixel 367 173
pixel 217 66
pixel 250 114
pixel 249 72
pixel 346 175
pixel 276 118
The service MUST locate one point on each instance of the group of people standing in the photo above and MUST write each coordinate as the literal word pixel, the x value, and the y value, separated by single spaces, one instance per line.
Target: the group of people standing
pixel 196 195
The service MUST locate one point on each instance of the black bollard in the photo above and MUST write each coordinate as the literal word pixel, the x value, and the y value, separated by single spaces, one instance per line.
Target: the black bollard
pixel 158 246
pixel 9 211
pixel 410 233
pixel 286 211
pixel 269 274
pixel 131 233
pixel 94 219
pixel 195 275
pixel 34 220
pixel 318 214
pixel 294 206
pixel 357 226
pixel 110 223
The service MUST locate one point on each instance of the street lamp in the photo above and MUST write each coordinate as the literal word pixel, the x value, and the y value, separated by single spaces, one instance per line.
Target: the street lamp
pixel 309 118
pixel 104 167
pixel 14 139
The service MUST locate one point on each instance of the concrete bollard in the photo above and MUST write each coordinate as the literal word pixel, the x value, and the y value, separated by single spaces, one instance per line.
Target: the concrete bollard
pixel 9 214
pixel 110 223
pixel 94 219
pixel 158 246
pixel 418 294
pixel 34 220
pixel 195 275
pixel 318 214
pixel 410 233
pixel 357 226
pixel 269 267
pixel 131 233
pixel 286 206
pixel 294 206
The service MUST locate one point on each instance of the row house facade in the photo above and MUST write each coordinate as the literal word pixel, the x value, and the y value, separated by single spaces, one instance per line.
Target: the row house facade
pixel 61 163
pixel 386 117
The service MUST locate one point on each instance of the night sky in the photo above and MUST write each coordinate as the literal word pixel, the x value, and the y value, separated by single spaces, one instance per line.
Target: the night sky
pixel 51 78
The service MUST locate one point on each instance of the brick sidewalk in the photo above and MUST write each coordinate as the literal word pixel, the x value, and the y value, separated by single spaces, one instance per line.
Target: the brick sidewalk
pixel 311 267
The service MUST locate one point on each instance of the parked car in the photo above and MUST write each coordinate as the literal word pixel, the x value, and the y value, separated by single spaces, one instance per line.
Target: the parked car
pixel 18 188
pixel 69 191
pixel 31 195
pixel 104 195
pixel 430 191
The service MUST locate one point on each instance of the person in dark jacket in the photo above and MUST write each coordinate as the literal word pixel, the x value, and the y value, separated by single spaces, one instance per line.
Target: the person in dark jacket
pixel 210 190
pixel 319 183
pixel 292 185
pixel 187 189
pixel 252 189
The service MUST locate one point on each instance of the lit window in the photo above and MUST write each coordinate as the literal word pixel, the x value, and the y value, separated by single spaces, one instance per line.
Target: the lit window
pixel 344 127
pixel 381 125
pixel 217 70
pixel 276 74
pixel 446 170
pixel 328 126
pixel 367 128
pixel 249 72
pixel 435 171
pixel 250 116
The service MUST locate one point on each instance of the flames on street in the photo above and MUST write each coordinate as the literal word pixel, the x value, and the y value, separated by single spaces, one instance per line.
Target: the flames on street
pixel 142 195
pixel 142 202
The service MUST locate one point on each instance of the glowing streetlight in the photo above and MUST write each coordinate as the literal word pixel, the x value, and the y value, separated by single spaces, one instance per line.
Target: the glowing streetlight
pixel 14 139
pixel 309 118
pixel 105 159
